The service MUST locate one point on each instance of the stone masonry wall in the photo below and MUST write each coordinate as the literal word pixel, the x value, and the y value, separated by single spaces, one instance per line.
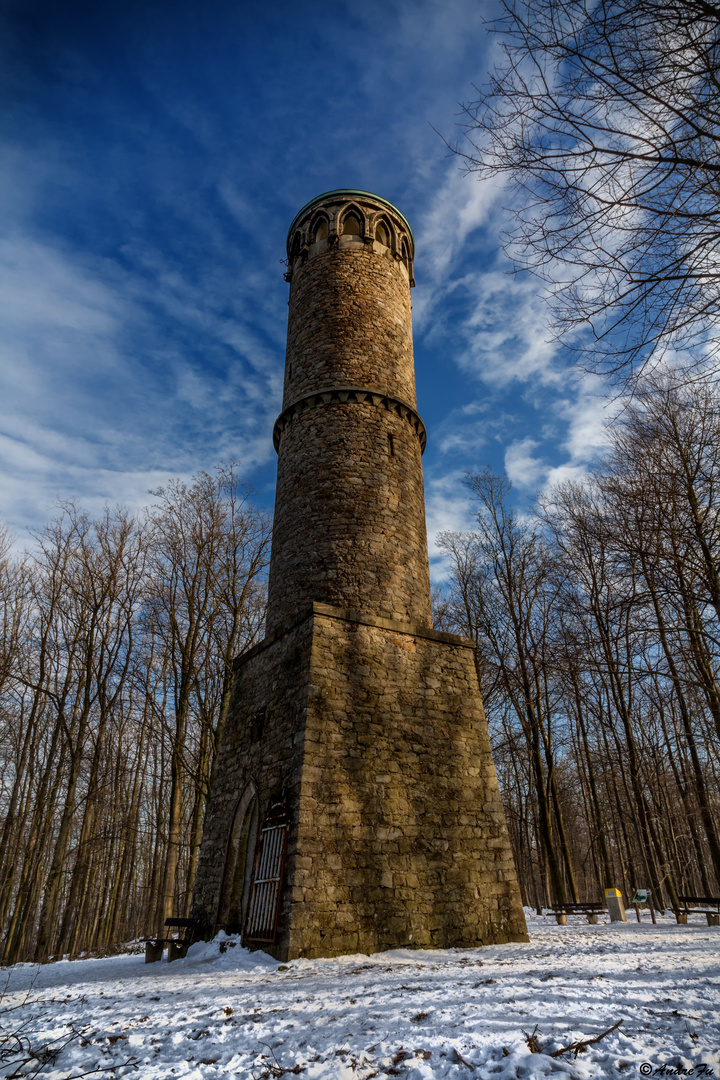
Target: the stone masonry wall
pixel 349 525
pixel 401 836
pixel 373 727
pixel 349 324
pixel 375 732
pixel 273 677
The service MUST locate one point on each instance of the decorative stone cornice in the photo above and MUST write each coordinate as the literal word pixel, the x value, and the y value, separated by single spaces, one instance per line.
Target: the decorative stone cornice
pixel 358 395
pixel 361 618
pixel 319 228
pixel 346 195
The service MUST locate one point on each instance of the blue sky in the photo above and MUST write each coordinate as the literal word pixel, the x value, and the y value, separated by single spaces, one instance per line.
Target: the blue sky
pixel 153 155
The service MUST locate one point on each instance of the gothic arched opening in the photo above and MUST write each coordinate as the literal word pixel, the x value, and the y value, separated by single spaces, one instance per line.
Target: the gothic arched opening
pixel 382 233
pixel 238 863
pixel 266 894
pixel 351 225
pixel 320 230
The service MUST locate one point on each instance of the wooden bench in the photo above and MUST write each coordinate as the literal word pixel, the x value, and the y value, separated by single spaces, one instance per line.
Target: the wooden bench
pixel 592 909
pixel 177 946
pixel 709 906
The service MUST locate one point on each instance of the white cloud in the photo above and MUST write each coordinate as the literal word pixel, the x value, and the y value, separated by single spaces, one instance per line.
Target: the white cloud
pixel 39 286
pixel 583 416
pixel 448 508
pixel 103 396
pixel 497 321
pixel 463 430
pixel 587 416
pixel 521 466
pixel 459 207
pixel 495 326
pixel 508 340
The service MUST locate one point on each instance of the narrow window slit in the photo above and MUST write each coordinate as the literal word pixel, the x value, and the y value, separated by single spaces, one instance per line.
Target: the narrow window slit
pixel 257 725
pixel 391 445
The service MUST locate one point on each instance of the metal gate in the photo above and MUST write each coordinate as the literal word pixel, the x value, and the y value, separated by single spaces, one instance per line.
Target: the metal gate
pixel 266 888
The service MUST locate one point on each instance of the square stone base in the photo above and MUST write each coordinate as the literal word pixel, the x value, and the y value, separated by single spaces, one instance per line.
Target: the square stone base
pixel 374 733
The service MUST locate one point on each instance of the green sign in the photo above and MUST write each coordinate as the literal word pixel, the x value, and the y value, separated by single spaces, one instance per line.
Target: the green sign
pixel 641 896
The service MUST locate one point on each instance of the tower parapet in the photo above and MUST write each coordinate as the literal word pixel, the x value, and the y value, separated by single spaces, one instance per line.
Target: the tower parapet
pixel 348 216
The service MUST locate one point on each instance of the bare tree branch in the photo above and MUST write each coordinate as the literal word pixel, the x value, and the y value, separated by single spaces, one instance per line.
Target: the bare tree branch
pixel 606 118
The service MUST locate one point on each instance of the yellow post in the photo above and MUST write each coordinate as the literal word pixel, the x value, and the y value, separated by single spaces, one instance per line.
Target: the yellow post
pixel 616 907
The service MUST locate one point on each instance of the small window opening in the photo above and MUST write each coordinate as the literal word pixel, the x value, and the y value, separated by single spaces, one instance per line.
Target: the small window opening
pixel 391 445
pixel 295 250
pixel 257 725
pixel 351 226
pixel 289 371
pixel 321 231
pixel 381 235
pixel 405 253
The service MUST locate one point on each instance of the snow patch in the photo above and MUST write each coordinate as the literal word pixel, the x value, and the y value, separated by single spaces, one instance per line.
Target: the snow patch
pixel 224 1011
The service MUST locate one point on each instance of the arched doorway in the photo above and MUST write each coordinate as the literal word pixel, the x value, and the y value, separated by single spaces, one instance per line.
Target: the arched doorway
pixel 238 863
pixel 263 911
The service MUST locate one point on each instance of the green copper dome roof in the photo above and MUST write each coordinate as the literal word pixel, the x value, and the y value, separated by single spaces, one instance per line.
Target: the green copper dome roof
pixel 350 192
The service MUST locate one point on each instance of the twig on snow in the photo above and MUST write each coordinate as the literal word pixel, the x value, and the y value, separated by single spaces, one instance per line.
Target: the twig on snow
pixel 460 1060
pixel 582 1044
pixel 578 1047
pixel 277 1069
pixel 533 1041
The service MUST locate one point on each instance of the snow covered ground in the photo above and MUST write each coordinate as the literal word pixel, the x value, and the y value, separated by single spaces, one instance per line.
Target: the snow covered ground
pixel 412 1014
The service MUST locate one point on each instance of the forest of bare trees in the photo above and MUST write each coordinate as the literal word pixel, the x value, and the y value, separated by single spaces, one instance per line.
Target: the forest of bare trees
pixel 118 636
pixel 597 620
pixel 596 616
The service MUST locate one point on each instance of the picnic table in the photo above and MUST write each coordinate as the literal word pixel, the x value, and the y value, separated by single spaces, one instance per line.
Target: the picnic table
pixel 709 906
pixel 591 910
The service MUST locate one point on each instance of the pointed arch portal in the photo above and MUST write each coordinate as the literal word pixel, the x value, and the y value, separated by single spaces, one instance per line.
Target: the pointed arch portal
pixel 266 890
pixel 238 862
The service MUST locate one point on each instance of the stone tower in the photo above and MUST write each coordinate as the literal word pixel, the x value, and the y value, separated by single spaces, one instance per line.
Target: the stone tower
pixel 355 805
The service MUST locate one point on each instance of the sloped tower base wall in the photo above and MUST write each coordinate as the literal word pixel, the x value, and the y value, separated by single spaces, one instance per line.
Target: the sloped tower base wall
pixel 375 732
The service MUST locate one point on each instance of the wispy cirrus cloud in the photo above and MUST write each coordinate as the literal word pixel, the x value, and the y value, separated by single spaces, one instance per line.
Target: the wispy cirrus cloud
pixel 151 161
pixel 521 465
pixel 150 166
pixel 524 410
pixel 104 397
pixel 448 508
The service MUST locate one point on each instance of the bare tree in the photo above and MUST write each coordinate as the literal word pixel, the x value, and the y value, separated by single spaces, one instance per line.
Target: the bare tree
pixel 605 115
pixel 208 552
pixel 117 637
pixel 505 592
pixel 599 655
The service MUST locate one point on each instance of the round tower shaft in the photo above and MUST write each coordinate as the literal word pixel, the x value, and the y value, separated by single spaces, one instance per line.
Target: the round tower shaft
pixel 349 509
